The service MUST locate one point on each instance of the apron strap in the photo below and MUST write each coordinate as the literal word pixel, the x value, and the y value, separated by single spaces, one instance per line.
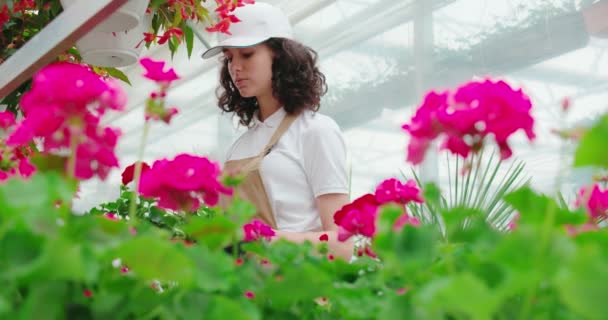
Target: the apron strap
pixel 285 123
pixel 283 126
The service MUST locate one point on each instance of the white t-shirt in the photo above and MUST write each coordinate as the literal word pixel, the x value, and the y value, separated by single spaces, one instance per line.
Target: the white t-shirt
pixel 308 161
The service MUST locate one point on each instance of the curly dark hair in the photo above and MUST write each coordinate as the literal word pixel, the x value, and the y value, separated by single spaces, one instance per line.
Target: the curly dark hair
pixel 296 81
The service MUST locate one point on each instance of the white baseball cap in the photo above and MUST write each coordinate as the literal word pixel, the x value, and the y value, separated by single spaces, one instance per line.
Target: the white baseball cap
pixel 259 22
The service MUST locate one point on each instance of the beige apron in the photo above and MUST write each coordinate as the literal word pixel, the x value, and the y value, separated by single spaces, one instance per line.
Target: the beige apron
pixel 252 188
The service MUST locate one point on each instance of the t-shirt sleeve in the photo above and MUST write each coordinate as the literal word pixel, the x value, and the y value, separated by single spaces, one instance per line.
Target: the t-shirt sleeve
pixel 324 158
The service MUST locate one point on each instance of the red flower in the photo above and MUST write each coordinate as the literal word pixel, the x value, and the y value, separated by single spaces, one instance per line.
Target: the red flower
pixel 177 32
pixel 148 38
pixel 127 174
pixel 324 237
pixel 249 295
pixel 223 25
pixel 87 293
pixel 4 16
pixel 22 5
pixel 358 217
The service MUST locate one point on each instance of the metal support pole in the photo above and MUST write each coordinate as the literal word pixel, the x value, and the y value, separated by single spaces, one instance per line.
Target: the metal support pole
pixel 58 36
pixel 423 53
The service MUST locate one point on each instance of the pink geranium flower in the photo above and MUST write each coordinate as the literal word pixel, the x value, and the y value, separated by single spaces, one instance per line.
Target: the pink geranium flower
pixel 182 183
pixel 7 120
pixel 155 72
pixel 257 230
pixel 595 200
pixel 405 219
pixel 14 159
pixel 357 218
pixel 392 190
pixel 63 107
pixel 465 118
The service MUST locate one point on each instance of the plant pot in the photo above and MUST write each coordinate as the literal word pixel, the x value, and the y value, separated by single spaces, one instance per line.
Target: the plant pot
pixel 596 19
pixel 116 49
pixel 126 17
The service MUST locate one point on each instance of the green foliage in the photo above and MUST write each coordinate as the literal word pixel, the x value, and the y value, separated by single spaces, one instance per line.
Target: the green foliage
pixel 479 185
pixel 592 149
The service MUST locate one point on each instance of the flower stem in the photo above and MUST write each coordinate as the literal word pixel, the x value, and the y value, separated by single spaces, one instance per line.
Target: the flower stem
pixel 72 159
pixel 543 244
pixel 137 173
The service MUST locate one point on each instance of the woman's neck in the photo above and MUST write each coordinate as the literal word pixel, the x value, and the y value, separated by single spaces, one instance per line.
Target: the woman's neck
pixel 268 105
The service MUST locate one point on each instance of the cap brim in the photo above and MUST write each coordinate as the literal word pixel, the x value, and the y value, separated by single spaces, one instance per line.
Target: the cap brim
pixel 233 43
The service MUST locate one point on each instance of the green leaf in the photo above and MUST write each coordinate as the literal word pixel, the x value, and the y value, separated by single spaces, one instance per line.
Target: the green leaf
pixel 310 282
pixel 241 211
pixel 221 307
pixel 215 269
pixel 20 253
pixel 593 148
pixel 216 232
pixel 5 307
pixel 583 283
pixel 45 300
pixel 66 260
pixel 157 3
pixel 189 38
pixel 535 209
pixel 118 74
pixel 152 258
pixel 444 296
pixel 42 191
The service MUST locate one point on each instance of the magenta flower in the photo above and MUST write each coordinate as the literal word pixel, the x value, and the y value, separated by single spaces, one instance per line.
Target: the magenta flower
pixel 595 201
pixel 405 219
pixel 464 119
pixel 357 218
pixel 64 106
pixel 392 190
pixel 182 183
pixel 424 126
pixel 154 71
pixel 13 160
pixel 257 230
pixel 7 120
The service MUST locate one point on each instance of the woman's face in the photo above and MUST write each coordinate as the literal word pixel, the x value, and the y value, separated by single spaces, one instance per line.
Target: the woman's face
pixel 251 70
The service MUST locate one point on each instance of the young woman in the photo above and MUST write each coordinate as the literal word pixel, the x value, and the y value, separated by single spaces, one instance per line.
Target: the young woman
pixel 293 157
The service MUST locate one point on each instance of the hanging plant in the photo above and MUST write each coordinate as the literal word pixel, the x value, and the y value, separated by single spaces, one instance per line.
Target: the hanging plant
pixel 171 21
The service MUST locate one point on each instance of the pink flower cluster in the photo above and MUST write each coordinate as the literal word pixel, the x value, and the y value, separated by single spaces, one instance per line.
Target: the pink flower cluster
pixel 155 106
pixel 225 9
pixel 257 230
pixel 359 217
pixel 64 108
pixel 467 116
pixel 13 160
pixel 595 201
pixel 182 183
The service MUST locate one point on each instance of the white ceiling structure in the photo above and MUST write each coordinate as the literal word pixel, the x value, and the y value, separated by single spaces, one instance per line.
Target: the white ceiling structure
pixel 379 57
